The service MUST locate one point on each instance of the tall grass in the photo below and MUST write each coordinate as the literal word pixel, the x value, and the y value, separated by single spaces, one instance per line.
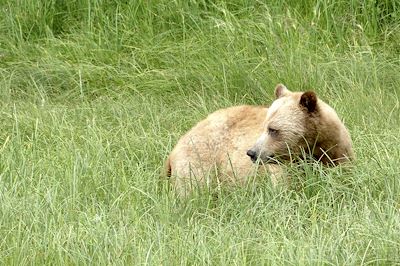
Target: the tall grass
pixel 94 94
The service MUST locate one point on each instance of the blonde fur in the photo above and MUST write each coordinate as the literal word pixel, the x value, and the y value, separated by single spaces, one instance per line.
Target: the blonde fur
pixel 214 150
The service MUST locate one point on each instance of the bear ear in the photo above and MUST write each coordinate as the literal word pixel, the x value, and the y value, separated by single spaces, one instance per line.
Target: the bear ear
pixel 309 100
pixel 281 90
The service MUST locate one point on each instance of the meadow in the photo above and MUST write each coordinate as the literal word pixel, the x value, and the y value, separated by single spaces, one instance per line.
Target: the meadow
pixel 94 95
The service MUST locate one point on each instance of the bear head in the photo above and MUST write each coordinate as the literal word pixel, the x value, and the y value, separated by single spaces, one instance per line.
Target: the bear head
pixel 300 124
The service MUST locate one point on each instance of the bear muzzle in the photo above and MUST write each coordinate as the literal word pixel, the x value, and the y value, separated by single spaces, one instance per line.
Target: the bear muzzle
pixel 253 155
pixel 256 157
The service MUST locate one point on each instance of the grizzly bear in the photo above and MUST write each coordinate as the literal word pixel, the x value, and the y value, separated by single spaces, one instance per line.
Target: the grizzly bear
pixel 233 144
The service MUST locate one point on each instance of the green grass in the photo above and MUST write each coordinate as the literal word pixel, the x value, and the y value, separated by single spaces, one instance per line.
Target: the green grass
pixel 94 94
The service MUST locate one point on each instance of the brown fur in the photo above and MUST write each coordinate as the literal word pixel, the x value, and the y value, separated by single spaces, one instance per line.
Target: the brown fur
pixel 214 150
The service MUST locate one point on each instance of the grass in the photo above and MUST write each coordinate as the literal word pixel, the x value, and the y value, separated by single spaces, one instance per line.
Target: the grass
pixel 94 94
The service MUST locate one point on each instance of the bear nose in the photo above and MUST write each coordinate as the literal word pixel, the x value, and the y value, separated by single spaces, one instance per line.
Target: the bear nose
pixel 252 154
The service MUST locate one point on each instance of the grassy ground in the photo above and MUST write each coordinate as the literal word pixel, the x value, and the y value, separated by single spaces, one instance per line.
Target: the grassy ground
pixel 94 94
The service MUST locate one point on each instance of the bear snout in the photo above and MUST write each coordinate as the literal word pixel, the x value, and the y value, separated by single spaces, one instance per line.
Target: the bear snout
pixel 252 154
pixel 261 158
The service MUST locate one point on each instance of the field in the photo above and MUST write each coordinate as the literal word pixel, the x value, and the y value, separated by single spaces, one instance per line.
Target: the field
pixel 94 95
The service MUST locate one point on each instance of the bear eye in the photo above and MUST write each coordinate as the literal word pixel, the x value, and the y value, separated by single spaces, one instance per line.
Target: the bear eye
pixel 273 132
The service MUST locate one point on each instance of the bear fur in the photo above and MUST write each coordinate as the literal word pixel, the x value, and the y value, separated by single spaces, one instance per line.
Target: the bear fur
pixel 233 144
